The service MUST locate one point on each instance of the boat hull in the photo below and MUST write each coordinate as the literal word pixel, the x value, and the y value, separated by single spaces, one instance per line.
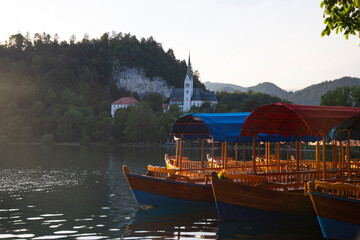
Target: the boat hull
pixel 237 201
pixel 339 218
pixel 162 192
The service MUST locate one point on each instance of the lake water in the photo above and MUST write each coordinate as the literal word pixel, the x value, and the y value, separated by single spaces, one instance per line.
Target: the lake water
pixel 80 193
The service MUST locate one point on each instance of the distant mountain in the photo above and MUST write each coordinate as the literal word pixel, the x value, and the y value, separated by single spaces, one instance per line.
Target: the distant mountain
pixel 219 87
pixel 270 88
pixel 312 94
pixel 309 96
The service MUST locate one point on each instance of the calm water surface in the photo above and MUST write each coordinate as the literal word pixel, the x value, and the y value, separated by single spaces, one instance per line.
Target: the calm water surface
pixel 69 192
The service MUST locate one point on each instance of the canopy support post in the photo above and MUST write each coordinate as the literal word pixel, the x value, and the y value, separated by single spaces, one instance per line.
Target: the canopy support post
pixel 291 157
pixel 181 151
pixel 297 159
pixel 340 158
pixel 253 154
pixel 267 155
pixel 335 155
pixel 348 155
pixel 244 152
pixel 317 151
pixel 297 154
pixel 225 155
pixel 324 155
pixel 212 149
pixel 202 153
pixel 222 154
pixel 236 154
pixel 176 153
pixel 278 157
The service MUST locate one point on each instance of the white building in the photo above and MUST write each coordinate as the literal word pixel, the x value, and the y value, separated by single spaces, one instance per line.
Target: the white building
pixel 123 102
pixel 189 96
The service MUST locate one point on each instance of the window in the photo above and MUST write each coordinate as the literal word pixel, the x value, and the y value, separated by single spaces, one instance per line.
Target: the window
pixel 187 91
pixel 187 85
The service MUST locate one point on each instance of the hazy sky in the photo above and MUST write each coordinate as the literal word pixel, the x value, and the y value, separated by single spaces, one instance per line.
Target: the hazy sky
pixel 243 42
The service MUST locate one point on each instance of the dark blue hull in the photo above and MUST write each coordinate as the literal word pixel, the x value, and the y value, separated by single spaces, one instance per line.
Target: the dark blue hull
pixel 335 229
pixel 161 200
pixel 239 213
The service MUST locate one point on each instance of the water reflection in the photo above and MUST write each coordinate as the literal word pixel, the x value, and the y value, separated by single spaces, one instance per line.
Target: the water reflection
pixel 173 223
pixel 74 193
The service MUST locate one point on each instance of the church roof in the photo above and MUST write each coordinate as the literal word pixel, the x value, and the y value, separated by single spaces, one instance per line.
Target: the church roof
pixel 198 95
pixel 126 101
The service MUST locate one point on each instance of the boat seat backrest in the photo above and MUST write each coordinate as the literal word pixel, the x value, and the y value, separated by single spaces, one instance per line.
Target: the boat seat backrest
pixel 246 178
pixel 338 189
pixel 160 172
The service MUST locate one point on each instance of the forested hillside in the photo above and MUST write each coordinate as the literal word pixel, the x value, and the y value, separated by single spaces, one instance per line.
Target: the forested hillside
pixel 310 95
pixel 65 89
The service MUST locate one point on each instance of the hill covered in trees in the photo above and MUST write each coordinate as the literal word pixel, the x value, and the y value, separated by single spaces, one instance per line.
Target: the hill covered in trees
pixel 65 88
pixel 310 95
pixel 61 91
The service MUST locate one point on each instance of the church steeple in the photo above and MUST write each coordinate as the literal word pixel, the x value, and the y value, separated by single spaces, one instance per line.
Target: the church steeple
pixel 189 72
pixel 188 88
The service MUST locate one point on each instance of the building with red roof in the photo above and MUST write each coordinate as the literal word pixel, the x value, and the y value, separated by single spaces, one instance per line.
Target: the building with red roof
pixel 123 102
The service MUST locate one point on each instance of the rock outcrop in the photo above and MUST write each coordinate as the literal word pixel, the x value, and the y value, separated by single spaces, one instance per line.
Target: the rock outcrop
pixel 135 80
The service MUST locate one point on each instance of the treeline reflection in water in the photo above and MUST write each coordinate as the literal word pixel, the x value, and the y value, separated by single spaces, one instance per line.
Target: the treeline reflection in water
pixel 67 192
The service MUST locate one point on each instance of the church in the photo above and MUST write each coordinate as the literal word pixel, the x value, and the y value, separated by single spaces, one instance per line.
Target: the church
pixel 189 96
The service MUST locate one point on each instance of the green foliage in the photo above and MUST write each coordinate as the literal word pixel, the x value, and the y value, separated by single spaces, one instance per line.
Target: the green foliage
pixel 84 140
pixel 343 15
pixel 65 88
pixel 312 94
pixel 243 102
pixel 141 125
pixel 342 96
pixel 155 101
pixel 47 139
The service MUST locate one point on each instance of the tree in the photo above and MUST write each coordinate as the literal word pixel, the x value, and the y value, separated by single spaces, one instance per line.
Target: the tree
pixel 155 101
pixel 69 125
pixel 141 124
pixel 341 96
pixel 118 125
pixel 343 15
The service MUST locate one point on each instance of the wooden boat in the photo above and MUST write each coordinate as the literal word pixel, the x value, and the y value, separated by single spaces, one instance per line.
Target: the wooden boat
pixel 162 187
pixel 337 206
pixel 250 197
pixel 242 196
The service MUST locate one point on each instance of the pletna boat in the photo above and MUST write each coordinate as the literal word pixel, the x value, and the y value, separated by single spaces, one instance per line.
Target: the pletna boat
pixel 240 196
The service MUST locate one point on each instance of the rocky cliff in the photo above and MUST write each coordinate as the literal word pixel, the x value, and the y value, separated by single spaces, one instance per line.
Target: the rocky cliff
pixel 135 80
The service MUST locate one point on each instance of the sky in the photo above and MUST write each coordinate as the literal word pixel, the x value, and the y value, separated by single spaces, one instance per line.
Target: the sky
pixel 243 42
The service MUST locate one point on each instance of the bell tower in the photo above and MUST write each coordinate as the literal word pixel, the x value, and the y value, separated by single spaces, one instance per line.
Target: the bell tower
pixel 188 88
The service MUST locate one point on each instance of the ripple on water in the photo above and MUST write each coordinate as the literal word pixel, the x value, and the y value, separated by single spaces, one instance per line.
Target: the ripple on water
pixel 38 180
pixel 52 215
pixel 34 218
pixel 52 237
pixel 65 232
pixel 17 236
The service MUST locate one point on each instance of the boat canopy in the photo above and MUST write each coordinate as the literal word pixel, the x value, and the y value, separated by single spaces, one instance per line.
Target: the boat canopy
pixel 223 127
pixel 299 120
pixel 349 126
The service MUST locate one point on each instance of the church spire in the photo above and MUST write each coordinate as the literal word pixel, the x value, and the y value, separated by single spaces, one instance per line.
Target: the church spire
pixel 189 73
